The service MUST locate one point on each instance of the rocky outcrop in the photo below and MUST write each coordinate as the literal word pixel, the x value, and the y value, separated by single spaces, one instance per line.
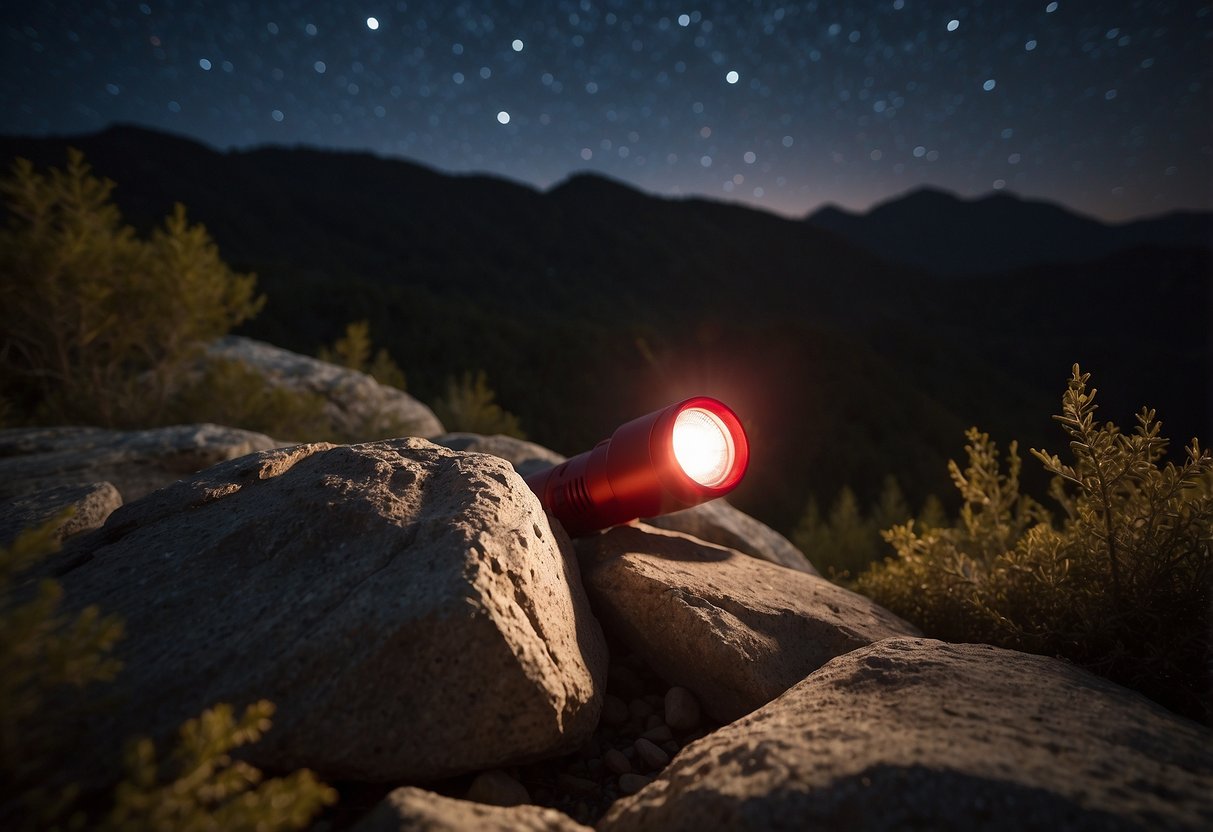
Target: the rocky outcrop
pixel 417 810
pixel 715 521
pixel 406 607
pixel 919 734
pixel 90 504
pixel 355 404
pixel 734 629
pixel 136 462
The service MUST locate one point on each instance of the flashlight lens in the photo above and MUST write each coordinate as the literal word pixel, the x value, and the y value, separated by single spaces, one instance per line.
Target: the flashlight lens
pixel 703 446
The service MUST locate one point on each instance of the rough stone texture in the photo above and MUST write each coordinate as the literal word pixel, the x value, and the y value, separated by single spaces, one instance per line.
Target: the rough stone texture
pixel 919 734
pixel 136 462
pixel 735 630
pixel 92 502
pixel 356 404
pixel 416 810
pixel 720 523
pixel 715 521
pixel 406 607
pixel 497 788
pixel 526 457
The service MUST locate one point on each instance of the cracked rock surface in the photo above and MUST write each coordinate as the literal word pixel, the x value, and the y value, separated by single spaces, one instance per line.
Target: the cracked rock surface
pixel 407 608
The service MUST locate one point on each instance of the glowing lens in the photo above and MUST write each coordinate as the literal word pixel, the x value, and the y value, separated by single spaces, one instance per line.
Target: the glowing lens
pixel 703 446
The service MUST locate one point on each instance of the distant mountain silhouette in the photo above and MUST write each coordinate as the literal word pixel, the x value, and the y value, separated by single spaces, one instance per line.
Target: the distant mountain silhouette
pixel 593 303
pixel 939 231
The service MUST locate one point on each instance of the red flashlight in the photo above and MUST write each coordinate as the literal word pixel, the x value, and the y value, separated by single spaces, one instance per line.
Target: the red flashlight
pixel 674 458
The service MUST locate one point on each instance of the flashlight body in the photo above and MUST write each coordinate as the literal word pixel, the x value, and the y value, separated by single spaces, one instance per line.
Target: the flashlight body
pixel 634 473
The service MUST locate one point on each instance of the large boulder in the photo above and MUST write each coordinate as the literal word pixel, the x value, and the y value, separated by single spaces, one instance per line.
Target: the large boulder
pixel 355 404
pixel 406 607
pixel 136 462
pixel 919 734
pixel 90 504
pixel 736 630
pixel 416 810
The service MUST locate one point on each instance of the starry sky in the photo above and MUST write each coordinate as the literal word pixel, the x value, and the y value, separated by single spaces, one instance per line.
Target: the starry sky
pixel 1102 105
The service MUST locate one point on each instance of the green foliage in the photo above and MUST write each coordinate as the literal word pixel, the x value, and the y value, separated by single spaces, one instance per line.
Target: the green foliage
pixel 845 541
pixel 353 350
pixel 1121 586
pixel 97 321
pixel 468 406
pixel 199 787
pixel 232 393
pixel 41 652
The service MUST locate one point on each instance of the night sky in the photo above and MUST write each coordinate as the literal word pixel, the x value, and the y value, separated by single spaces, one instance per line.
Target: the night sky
pixel 1103 106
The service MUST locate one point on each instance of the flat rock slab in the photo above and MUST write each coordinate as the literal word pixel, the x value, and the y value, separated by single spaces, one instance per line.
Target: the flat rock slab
pixel 355 403
pixel 406 607
pixel 416 810
pixel 719 522
pixel 735 630
pixel 136 462
pixel 90 503
pixel 920 734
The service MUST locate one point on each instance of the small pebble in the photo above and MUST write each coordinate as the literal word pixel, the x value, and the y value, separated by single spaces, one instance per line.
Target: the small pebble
pixel 497 788
pixel 652 721
pixel 670 747
pixel 659 735
pixel 616 761
pixel 650 754
pixel 577 785
pixel 632 783
pixel 655 700
pixel 681 709
pixel 614 710
pixel 640 709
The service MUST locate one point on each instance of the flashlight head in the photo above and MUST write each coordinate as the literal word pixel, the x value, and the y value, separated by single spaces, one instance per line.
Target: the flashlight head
pixel 671 459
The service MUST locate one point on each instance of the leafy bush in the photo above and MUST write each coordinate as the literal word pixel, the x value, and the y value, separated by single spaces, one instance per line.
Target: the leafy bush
pixel 97 321
pixel 201 788
pixel 1121 586
pixel 468 406
pixel 843 542
pixel 198 787
pixel 232 393
pixel 353 350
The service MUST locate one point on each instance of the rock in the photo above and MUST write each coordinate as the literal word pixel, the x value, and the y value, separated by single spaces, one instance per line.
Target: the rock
pixel 718 522
pixel 90 502
pixel 417 810
pixel 918 734
pixel 572 784
pixel 355 404
pixel 632 783
pixel 615 760
pixel 407 608
pixel 735 630
pixel 136 462
pixel 526 457
pixel 640 709
pixel 614 710
pixel 659 734
pixel 681 709
pixel 650 754
pixel 497 788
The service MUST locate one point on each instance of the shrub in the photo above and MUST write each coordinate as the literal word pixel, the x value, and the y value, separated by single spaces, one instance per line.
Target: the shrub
pixel 353 350
pixel 96 320
pixel 199 786
pixel 468 406
pixel 1121 586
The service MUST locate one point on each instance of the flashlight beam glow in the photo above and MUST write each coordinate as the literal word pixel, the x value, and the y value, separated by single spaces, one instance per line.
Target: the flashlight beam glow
pixel 671 459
